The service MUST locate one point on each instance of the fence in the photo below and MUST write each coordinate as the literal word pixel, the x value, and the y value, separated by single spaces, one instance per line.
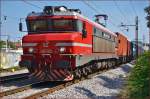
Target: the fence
pixel 9 58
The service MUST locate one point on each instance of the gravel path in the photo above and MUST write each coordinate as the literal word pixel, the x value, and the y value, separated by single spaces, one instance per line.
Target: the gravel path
pixel 103 86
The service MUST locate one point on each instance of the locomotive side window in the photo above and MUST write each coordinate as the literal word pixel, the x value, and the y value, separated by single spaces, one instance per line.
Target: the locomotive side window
pixel 113 38
pixel 108 36
pixel 103 41
pixel 97 32
pixel 79 25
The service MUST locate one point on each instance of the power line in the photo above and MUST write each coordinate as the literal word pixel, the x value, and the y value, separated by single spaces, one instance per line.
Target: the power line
pixel 108 13
pixel 5 17
pixel 31 4
pixel 97 11
pixel 133 7
pixel 94 9
pixel 122 14
pixel 105 12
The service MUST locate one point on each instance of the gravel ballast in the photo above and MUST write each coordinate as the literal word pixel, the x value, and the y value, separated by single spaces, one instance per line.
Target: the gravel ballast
pixel 106 85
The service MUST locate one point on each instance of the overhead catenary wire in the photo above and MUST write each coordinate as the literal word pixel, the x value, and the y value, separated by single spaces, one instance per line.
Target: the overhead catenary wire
pixel 31 4
pixel 114 18
pixel 97 11
pixel 5 17
pixel 104 11
pixel 16 18
pixel 94 9
pixel 121 12
pixel 132 6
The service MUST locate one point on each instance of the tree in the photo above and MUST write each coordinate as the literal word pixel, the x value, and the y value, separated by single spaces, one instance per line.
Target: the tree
pixel 2 43
pixel 147 10
pixel 11 45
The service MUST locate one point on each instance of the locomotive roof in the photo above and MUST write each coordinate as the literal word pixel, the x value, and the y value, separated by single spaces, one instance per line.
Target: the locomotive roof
pixel 120 33
pixel 68 13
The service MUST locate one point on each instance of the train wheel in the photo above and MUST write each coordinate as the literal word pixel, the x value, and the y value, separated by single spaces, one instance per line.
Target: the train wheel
pixel 84 71
pixel 78 73
pixel 89 68
pixel 99 65
pixel 107 65
pixel 103 65
pixel 95 67
pixel 113 64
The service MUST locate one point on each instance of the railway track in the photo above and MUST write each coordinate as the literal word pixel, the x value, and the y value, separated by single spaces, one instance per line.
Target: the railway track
pixel 54 86
pixel 50 89
pixel 60 86
pixel 94 72
pixel 6 79
pixel 26 87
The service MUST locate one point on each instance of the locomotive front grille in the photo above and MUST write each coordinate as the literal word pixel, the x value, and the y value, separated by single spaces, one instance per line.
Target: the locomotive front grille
pixel 62 64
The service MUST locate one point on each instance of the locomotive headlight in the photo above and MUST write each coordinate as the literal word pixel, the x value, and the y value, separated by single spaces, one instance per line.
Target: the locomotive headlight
pixel 62 49
pixel 31 50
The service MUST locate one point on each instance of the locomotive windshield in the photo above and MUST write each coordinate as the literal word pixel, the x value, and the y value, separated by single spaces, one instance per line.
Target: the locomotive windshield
pixel 51 25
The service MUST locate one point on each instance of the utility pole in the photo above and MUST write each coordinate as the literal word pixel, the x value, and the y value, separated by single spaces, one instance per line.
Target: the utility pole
pixel 147 10
pixel 143 40
pixel 7 40
pixel 136 33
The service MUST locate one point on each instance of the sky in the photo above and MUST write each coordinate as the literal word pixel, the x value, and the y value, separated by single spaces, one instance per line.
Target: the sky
pixel 117 11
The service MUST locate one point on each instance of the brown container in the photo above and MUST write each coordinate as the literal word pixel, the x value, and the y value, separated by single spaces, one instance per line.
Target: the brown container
pixel 123 45
pixel 128 49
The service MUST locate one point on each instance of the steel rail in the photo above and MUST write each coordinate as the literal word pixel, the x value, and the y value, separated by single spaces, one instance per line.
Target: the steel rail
pixel 6 79
pixel 20 89
pixel 61 86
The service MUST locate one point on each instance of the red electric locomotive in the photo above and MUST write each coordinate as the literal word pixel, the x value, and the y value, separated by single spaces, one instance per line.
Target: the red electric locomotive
pixel 62 44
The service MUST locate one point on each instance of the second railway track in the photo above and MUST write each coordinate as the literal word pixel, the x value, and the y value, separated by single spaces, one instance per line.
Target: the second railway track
pixel 7 79
pixel 24 88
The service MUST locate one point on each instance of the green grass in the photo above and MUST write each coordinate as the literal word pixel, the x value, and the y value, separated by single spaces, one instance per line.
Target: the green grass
pixel 138 84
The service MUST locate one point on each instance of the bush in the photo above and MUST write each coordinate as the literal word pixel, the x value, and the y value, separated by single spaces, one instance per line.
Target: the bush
pixel 138 84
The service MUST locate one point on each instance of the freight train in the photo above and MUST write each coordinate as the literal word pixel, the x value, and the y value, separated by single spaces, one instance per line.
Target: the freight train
pixel 62 44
